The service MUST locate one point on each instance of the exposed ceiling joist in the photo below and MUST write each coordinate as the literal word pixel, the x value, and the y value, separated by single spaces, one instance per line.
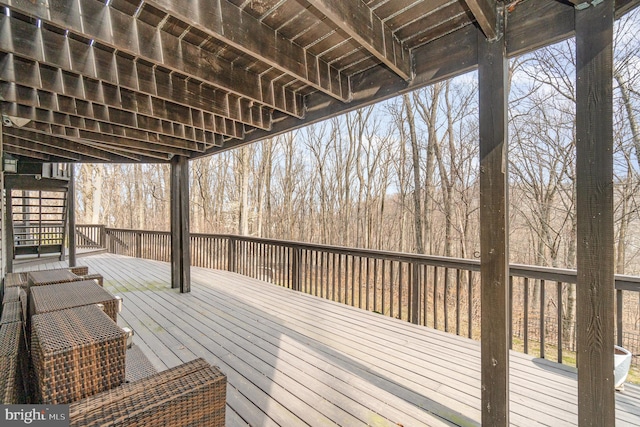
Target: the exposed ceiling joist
pixel 364 26
pixel 99 70
pixel 82 135
pixel 140 81
pixel 19 150
pixel 36 114
pixel 113 28
pixel 230 24
pixel 486 14
pixel 124 150
pixel 15 147
pixel 449 56
pixel 53 145
pixel 43 100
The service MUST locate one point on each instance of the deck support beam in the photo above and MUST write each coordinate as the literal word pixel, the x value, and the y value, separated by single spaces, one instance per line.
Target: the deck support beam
pixel 494 248
pixel 8 231
pixel 71 215
pixel 594 206
pixel 3 224
pixel 180 238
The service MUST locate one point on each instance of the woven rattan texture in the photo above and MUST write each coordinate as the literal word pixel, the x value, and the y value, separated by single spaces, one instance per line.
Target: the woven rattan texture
pixel 11 312
pixel 72 294
pixel 81 270
pixel 15 279
pixel 95 276
pixel 49 277
pixel 11 294
pixel 138 365
pixel 12 359
pixel 76 353
pixel 192 394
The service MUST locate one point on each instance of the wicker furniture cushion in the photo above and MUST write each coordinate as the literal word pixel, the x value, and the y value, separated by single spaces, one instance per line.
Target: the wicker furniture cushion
pixel 12 363
pixel 192 394
pixel 72 294
pixel 49 277
pixel 76 353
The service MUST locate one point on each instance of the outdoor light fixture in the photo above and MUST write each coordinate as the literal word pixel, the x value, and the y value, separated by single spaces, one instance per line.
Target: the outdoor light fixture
pixel 11 121
pixel 10 165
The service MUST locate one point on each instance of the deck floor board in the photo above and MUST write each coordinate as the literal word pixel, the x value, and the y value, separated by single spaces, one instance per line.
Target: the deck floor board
pixel 296 359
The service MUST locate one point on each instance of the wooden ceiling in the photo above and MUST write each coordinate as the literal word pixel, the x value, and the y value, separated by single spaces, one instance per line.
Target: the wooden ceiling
pixel 143 81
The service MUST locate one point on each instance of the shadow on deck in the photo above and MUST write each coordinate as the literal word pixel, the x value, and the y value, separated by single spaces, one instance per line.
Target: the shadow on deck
pixel 295 359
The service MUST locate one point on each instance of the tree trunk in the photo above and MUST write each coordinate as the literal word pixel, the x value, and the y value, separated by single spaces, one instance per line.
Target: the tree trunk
pixel 243 216
pixel 415 157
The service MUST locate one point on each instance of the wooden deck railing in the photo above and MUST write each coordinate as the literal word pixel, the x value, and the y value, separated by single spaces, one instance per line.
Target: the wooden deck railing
pixel 439 292
pixel 90 236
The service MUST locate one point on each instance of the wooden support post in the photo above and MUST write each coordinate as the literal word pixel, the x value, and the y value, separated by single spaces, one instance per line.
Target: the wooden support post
pixel 185 237
pixel 594 208
pixel 3 240
pixel 180 238
pixel 71 215
pixel 494 250
pixel 9 231
pixel 174 196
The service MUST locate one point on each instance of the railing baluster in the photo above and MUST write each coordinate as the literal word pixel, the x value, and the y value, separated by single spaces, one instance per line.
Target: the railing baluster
pixel 340 278
pixel 542 328
pixel 391 291
pixel 619 307
pixel 458 286
pixel 470 304
pixel 333 276
pixel 425 293
pixel 359 282
pixel 446 299
pixel 367 285
pixel 435 297
pixel 510 312
pixel 375 284
pixel 383 286
pixel 559 297
pixel 400 286
pixel 526 315
pixel 314 263
pixel 353 279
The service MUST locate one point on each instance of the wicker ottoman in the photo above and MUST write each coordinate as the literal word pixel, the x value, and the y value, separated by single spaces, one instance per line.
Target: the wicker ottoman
pixel 192 394
pixel 12 363
pixel 11 312
pixel 62 296
pixel 11 294
pixel 15 279
pixel 49 277
pixel 76 353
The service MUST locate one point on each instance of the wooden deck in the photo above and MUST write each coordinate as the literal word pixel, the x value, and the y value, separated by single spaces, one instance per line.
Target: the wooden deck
pixel 295 360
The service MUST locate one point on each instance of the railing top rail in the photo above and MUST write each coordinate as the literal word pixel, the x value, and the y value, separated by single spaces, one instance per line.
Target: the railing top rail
pixel 129 230
pixel 623 282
